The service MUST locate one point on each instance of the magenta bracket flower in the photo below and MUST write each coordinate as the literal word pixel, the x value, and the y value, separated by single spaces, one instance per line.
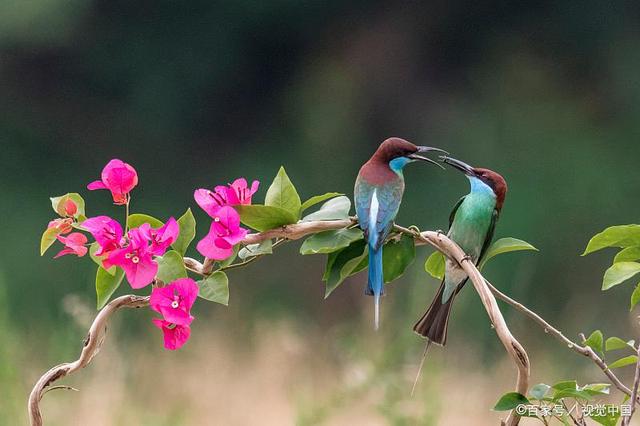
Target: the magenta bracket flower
pixel 74 244
pixel 136 259
pixel 224 233
pixel 175 336
pixel 119 178
pixel 174 301
pixel 234 194
pixel 107 233
pixel 161 238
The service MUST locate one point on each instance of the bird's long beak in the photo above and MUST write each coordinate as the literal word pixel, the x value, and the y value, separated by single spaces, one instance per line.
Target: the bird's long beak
pixel 425 149
pixel 460 165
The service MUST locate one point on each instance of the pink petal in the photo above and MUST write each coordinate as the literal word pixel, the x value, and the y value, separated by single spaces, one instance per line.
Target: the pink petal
pixel 208 248
pixel 142 273
pixel 188 291
pixel 97 184
pixel 174 337
pixel 208 201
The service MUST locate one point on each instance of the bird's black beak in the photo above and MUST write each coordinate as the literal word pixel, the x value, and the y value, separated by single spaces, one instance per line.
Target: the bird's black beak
pixel 425 149
pixel 460 165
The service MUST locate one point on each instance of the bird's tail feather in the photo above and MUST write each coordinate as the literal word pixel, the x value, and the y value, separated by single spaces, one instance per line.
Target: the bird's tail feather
pixel 433 324
pixel 375 286
pixel 424 355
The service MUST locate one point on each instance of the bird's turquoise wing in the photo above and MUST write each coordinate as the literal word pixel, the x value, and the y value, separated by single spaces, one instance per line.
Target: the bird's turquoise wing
pixel 389 197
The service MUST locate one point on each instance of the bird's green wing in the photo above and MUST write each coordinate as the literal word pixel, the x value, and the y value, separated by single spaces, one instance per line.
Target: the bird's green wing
pixel 455 209
pixel 489 237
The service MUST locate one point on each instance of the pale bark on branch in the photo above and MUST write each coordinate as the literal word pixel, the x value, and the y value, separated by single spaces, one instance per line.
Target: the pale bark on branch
pixel 438 240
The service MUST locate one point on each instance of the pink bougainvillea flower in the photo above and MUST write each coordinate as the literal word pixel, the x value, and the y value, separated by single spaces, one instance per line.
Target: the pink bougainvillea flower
pixel 119 178
pixel 135 259
pixel 211 201
pixel 62 225
pixel 235 193
pixel 225 232
pixel 174 335
pixel 74 244
pixel 239 193
pixel 175 300
pixel 106 231
pixel 161 238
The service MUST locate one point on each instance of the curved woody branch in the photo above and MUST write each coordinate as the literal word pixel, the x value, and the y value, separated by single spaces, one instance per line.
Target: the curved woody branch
pixel 438 240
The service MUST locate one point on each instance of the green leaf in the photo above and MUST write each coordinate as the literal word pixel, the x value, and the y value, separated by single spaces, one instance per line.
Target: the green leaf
pixel 629 254
pixel 614 236
pixel 264 247
pixel 596 388
pixel 566 384
pixel 505 245
pixel 58 204
pixel 635 297
pixel 106 284
pixel 627 360
pixel 138 219
pixel 330 241
pixel 510 401
pixel 435 265
pixel 610 418
pixel 539 391
pixel 396 257
pixel 171 267
pixel 341 264
pixel 283 194
pixel 93 248
pixel 571 393
pixel 595 341
pixel 215 288
pixel 614 343
pixel 49 237
pixel 317 199
pixel 619 273
pixel 187 224
pixel 334 209
pixel 263 218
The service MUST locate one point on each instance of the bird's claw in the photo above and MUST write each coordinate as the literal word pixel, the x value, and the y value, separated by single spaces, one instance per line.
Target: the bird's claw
pixel 465 258
pixel 414 228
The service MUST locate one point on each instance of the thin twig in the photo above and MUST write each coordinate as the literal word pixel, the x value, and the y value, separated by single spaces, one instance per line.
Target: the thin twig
pixel 634 392
pixel 549 329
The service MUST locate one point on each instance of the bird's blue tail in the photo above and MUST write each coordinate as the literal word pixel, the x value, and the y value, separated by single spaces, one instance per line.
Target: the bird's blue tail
pixel 375 286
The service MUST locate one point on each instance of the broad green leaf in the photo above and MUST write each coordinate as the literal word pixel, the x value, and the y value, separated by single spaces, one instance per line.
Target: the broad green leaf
pixel 264 247
pixel 614 236
pixel 330 241
pixel 106 284
pixel 343 263
pixel 49 237
pixel 171 267
pixel 505 245
pixel 635 297
pixel 610 418
pixel 187 224
pixel 58 204
pixel 396 257
pixel 619 273
pixel 263 218
pixel 510 401
pixel 317 199
pixel 614 343
pixel 596 388
pixel 595 341
pixel 539 391
pixel 93 248
pixel 137 219
pixel 629 254
pixel 571 393
pixel 435 265
pixel 283 194
pixel 334 209
pixel 215 288
pixel 627 360
pixel 566 384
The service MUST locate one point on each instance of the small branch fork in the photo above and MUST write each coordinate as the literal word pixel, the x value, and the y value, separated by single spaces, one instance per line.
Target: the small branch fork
pixel 296 231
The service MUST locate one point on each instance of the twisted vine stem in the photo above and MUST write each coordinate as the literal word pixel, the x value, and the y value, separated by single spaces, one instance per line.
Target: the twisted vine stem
pixel 441 242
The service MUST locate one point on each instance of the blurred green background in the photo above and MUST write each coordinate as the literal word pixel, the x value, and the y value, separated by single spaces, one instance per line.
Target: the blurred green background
pixel 195 94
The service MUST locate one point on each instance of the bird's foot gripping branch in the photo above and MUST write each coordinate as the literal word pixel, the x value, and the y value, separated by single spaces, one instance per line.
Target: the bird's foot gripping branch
pixel 150 255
